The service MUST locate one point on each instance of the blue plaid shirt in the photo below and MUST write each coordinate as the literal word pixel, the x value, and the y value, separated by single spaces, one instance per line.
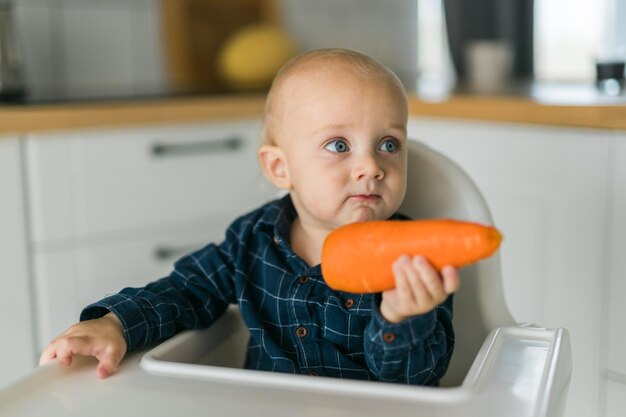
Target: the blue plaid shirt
pixel 297 323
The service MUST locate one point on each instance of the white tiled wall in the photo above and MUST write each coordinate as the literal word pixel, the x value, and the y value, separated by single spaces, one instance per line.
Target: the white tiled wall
pixel 109 48
pixel 37 40
pixel 90 48
pixel 386 30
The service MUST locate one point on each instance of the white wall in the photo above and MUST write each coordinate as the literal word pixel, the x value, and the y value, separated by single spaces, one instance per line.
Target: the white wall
pixel 618 13
pixel 107 48
pixel 385 30
pixel 90 48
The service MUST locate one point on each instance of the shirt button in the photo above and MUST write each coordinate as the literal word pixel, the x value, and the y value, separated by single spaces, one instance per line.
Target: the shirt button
pixel 304 279
pixel 389 337
pixel 301 331
pixel 277 240
pixel 348 303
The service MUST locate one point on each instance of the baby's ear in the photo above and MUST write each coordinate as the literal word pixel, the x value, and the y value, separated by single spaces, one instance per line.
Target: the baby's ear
pixel 274 166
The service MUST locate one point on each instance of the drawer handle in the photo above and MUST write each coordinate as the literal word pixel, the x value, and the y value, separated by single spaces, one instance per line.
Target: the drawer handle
pixel 193 148
pixel 167 253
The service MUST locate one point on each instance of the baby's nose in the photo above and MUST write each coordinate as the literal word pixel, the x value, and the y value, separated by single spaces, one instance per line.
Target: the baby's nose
pixel 368 167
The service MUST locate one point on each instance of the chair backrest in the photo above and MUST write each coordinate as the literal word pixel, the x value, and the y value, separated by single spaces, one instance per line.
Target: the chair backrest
pixel 439 188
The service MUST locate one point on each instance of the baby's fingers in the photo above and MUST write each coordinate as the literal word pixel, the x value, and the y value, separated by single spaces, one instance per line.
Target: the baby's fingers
pixel 67 347
pixel 402 270
pixel 109 362
pixel 48 354
pixel 107 367
pixel 429 279
pixel 451 280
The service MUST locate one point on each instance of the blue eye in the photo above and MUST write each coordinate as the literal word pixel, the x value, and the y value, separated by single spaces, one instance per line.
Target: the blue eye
pixel 389 145
pixel 337 145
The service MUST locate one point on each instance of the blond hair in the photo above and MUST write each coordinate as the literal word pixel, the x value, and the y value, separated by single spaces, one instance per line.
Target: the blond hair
pixel 363 65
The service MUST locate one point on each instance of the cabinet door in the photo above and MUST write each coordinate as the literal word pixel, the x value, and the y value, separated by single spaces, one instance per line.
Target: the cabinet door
pixel 617 285
pixel 16 350
pixel 73 275
pixel 86 183
pixel 547 191
pixel 615 399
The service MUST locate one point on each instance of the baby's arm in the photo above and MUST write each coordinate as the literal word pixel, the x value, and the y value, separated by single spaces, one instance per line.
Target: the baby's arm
pixel 101 338
pixel 419 288
pixel 410 337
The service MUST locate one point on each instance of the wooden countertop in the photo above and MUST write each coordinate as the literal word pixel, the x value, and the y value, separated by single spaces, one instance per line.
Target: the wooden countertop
pixel 523 110
pixel 20 119
pixel 55 117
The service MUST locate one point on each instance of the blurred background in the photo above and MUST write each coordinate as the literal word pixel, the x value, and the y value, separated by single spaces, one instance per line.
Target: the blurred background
pixel 80 49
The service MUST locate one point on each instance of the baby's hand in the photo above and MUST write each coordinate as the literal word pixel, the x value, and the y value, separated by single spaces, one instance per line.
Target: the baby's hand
pixel 101 338
pixel 419 288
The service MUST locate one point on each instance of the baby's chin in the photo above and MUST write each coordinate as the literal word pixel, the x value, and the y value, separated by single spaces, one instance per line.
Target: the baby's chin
pixel 363 214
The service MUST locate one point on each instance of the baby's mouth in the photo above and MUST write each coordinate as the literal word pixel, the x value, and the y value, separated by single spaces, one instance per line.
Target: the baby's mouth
pixel 366 197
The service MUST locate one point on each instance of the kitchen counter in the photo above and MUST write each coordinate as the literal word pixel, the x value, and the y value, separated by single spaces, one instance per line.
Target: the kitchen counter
pixel 20 119
pixel 508 109
pixel 54 117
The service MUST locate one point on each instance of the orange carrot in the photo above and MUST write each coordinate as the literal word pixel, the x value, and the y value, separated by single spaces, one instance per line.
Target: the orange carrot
pixel 358 257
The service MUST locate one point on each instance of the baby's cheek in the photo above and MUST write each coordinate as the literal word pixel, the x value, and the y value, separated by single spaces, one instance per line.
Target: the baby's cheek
pixel 398 191
pixel 320 206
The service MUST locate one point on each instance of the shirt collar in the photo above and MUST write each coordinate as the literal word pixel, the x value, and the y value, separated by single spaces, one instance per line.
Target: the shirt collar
pixel 278 217
pixel 281 213
pixel 277 220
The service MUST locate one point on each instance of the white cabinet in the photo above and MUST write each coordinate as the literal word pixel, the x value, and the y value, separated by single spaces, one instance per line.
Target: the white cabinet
pixel 68 277
pixel 85 183
pixel 616 331
pixel 115 208
pixel 615 399
pixel 547 191
pixel 16 350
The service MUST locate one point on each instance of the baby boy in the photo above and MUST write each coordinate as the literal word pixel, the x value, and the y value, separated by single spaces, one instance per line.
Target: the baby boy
pixel 335 139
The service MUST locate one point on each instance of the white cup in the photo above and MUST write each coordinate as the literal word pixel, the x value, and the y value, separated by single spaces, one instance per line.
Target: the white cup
pixel 489 65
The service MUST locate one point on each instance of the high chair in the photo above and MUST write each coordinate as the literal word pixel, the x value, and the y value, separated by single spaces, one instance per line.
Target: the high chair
pixel 499 368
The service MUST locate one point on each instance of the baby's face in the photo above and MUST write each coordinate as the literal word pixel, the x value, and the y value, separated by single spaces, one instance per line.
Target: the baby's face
pixel 344 139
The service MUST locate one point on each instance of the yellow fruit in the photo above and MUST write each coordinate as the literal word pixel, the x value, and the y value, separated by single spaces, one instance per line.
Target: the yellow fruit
pixel 252 56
